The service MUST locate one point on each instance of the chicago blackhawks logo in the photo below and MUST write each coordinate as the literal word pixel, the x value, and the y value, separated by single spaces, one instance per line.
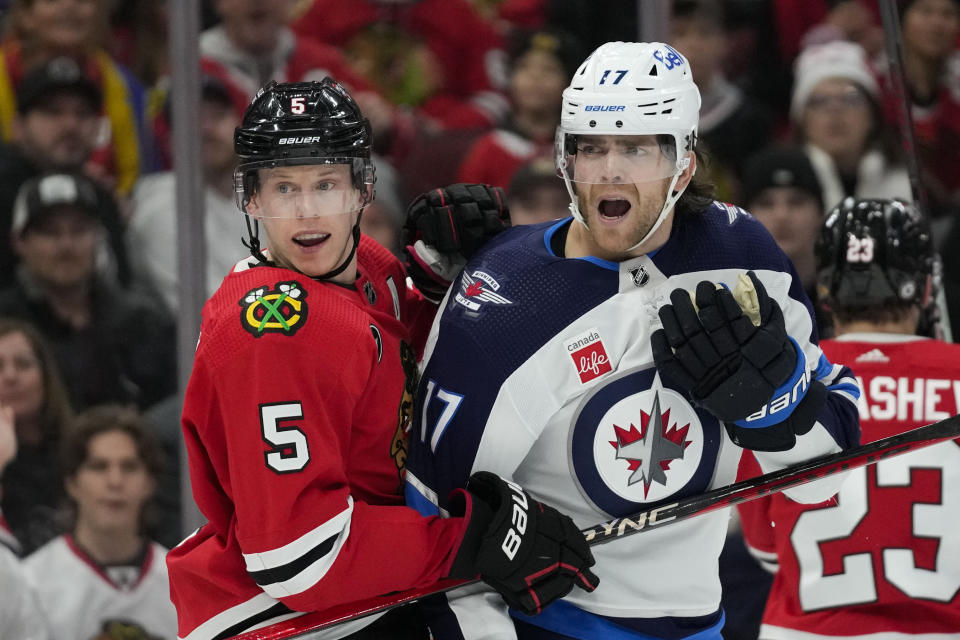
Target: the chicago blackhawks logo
pixel 115 629
pixel 634 442
pixel 282 309
pixel 399 447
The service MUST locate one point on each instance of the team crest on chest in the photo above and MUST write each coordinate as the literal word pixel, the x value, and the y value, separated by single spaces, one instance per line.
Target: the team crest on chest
pixel 282 309
pixel 635 442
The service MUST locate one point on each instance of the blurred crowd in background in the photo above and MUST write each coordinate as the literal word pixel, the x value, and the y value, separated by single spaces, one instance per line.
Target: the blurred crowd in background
pixel 798 111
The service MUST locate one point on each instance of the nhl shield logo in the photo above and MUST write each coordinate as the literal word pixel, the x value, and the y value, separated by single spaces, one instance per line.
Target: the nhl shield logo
pixel 640 276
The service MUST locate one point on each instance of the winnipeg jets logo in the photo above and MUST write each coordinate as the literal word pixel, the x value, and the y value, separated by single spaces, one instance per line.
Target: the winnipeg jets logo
pixel 650 450
pixel 635 441
pixel 479 288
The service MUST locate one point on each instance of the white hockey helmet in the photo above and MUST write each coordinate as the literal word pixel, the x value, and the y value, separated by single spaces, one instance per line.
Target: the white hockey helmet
pixel 630 88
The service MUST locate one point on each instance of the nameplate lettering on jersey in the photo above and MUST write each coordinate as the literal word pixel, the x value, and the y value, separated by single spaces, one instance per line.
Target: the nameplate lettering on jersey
pixel 908 399
pixel 589 356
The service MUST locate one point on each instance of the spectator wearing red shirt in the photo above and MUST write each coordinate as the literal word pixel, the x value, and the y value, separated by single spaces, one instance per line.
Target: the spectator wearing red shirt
pixel 438 56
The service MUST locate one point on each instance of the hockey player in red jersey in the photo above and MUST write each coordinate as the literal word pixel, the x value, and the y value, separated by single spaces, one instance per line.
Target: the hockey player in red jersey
pixel 297 411
pixel 883 560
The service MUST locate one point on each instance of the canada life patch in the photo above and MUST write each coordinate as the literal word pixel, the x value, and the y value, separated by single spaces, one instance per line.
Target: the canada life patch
pixel 589 356
pixel 282 309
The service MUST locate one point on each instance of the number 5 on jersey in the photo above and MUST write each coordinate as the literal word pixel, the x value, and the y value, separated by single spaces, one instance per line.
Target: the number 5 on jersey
pixel 288 452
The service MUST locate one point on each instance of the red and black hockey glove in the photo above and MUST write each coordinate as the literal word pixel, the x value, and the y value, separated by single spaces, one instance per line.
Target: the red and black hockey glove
pixel 747 372
pixel 528 551
pixel 445 227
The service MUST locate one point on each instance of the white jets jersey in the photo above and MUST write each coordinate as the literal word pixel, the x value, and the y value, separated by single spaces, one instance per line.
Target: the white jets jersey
pixel 540 369
pixel 82 601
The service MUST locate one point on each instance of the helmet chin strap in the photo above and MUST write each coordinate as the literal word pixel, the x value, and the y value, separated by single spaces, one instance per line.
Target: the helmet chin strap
pixel 356 243
pixel 253 244
pixel 668 203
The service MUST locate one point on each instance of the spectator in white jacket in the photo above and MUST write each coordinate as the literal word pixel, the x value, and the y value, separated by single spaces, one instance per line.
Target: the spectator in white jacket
pixel 836 112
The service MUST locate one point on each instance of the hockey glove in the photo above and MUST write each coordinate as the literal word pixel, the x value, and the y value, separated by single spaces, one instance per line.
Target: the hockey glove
pixel 445 227
pixel 748 373
pixel 528 551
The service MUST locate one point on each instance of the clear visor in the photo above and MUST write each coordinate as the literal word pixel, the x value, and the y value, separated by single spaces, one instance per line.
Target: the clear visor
pixel 306 190
pixel 613 159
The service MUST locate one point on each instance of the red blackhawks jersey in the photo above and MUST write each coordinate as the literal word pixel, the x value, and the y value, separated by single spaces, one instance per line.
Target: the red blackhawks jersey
pixel 295 421
pixel 883 559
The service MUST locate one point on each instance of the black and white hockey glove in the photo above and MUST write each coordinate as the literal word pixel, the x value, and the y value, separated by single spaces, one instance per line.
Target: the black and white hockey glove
pixel 746 371
pixel 445 227
pixel 528 551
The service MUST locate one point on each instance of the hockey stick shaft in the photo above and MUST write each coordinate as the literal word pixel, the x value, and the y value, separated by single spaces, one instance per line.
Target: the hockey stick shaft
pixel 892 39
pixel 889 16
pixel 744 491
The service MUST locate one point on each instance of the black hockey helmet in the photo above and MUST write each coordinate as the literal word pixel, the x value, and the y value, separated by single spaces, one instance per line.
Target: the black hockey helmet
pixel 299 123
pixel 875 252
pixel 302 123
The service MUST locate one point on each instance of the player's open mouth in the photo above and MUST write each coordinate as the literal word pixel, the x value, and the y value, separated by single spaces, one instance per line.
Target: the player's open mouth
pixel 613 208
pixel 310 239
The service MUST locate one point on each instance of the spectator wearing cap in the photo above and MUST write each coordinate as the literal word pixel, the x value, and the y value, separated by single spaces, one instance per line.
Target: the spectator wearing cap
pixel 55 128
pixel 111 345
pixel 541 65
pixel 41 31
pixel 732 124
pixel 781 190
pixel 837 116
pixel 152 231
pixel 537 194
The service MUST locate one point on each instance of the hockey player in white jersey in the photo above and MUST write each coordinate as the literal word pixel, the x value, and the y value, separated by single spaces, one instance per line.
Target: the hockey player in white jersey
pixel 622 358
